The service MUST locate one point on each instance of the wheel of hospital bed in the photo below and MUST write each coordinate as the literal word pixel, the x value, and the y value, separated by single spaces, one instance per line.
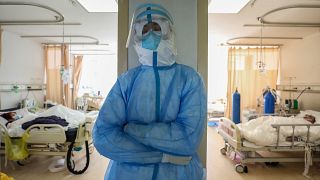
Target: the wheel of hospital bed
pixel 20 163
pixel 223 151
pixel 24 161
pixel 71 165
pixel 241 168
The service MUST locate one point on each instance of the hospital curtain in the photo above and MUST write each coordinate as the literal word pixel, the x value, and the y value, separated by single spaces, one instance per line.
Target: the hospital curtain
pixel 244 74
pixel 77 68
pixel 1 32
pixel 57 75
pixel 53 65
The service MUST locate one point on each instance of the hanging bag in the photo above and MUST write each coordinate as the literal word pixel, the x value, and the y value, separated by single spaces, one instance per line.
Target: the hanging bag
pixel 16 148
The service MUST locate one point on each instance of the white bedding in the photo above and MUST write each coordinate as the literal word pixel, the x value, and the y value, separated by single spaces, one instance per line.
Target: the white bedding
pixel 73 117
pixel 260 132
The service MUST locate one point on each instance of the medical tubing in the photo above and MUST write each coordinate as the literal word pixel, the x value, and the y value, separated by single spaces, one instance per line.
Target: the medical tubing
pixel 302 92
pixel 71 165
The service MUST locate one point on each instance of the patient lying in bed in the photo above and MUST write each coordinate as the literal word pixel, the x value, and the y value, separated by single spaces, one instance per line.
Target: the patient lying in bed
pixel 72 117
pixel 9 116
pixel 260 131
pixel 310 118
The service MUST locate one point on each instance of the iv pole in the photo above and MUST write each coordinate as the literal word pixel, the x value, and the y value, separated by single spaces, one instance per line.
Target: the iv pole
pixel 62 67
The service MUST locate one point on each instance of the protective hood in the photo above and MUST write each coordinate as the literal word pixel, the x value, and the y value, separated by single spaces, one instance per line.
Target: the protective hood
pixel 165 48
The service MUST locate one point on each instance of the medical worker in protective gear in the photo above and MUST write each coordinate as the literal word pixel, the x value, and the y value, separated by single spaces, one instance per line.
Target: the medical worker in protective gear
pixel 152 121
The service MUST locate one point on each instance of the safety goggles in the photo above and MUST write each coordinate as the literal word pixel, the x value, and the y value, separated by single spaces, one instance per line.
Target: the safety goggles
pixel 158 24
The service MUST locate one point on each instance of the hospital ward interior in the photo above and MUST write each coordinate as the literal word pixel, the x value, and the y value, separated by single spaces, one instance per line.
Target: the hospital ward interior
pixel 159 89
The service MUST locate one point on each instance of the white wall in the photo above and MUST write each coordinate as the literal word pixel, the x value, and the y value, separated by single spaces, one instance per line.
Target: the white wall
pixel 22 63
pixel 301 59
pixel 185 19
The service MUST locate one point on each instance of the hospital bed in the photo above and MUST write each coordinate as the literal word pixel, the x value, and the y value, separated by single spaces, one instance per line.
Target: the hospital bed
pixel 52 140
pixel 216 109
pixel 244 151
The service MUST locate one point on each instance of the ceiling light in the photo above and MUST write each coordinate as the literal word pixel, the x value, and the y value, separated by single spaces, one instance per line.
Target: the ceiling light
pixel 99 5
pixel 226 6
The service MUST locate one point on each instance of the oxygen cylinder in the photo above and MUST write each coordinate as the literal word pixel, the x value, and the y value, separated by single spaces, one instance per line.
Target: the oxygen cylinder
pixel 236 107
pixel 269 101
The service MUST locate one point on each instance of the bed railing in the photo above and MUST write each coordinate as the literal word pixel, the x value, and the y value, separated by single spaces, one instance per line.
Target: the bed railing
pixel 46 133
pixel 231 131
pixel 278 126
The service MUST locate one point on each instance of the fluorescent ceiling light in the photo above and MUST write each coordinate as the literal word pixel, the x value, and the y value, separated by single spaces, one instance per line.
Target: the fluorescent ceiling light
pixel 226 6
pixel 99 5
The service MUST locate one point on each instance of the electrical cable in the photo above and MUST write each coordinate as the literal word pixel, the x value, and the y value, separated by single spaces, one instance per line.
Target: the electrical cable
pixel 307 88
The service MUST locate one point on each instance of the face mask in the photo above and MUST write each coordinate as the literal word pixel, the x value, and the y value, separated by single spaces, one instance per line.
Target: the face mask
pixel 166 54
pixel 17 117
pixel 151 40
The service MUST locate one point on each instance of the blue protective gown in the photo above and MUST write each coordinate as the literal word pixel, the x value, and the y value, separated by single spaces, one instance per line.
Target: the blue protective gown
pixel 127 132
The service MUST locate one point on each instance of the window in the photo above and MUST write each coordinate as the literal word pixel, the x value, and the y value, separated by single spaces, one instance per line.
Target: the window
pixel 98 75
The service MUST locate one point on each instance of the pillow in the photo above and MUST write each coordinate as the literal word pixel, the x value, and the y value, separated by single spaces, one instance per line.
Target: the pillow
pixel 316 114
pixel 25 119
pixel 3 121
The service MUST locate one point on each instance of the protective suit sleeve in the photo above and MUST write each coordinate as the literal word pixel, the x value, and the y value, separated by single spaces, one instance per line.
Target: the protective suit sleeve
pixel 183 135
pixel 111 141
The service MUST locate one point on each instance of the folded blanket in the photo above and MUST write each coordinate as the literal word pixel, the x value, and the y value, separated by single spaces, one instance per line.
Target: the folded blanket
pixel 45 120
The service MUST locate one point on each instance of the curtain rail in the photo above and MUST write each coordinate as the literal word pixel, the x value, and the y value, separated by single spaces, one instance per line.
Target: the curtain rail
pixel 95 40
pixel 297 6
pixel 59 17
pixel 257 37
pixel 43 24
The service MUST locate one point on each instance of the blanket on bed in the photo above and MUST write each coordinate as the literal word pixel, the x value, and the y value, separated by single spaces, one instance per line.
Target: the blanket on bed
pixel 261 132
pixel 72 117
pixel 45 120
